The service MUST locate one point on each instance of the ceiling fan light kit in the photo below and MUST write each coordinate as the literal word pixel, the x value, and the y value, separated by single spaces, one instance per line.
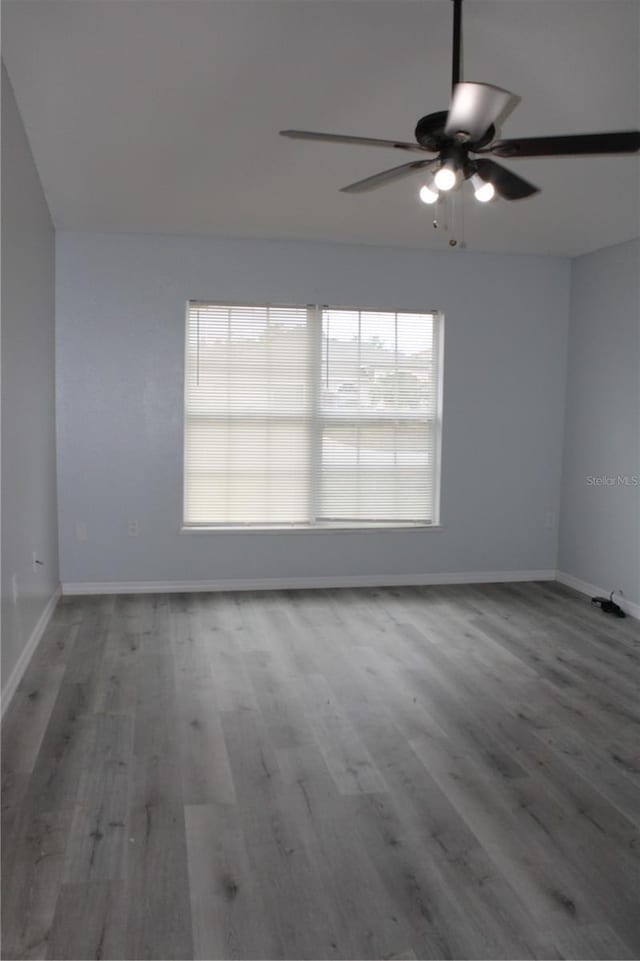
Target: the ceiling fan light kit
pixel 483 189
pixel 462 137
pixel 428 193
pixel 446 177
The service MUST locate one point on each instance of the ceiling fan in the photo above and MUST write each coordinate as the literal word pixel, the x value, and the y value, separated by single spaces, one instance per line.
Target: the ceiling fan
pixel 469 127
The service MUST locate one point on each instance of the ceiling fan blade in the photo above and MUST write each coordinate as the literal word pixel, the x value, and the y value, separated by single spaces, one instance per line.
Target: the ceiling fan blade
pixel 343 138
pixel 507 185
pixel 387 176
pixel 475 106
pixel 506 111
pixel 623 141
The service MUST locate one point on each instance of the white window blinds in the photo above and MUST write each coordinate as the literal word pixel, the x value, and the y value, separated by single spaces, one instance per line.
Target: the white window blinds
pixel 308 416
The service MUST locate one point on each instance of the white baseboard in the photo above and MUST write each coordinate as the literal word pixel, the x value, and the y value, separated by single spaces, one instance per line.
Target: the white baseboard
pixel 592 590
pixel 303 583
pixel 28 650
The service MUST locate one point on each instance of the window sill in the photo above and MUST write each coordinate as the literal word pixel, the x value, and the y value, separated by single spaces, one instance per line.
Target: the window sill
pixel 345 529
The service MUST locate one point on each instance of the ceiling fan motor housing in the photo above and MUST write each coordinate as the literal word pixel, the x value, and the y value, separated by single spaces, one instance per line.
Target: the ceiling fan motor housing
pixel 430 130
pixel 430 133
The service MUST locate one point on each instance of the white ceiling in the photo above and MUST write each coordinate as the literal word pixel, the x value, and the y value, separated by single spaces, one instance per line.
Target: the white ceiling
pixel 163 115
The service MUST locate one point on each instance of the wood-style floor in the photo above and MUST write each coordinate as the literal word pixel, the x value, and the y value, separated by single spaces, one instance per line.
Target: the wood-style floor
pixel 405 773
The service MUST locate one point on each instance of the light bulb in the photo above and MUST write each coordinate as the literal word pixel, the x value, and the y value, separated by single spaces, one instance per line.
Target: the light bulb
pixel 445 177
pixel 483 190
pixel 428 196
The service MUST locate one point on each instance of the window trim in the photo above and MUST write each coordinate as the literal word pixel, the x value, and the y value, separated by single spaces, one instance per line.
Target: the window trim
pixel 315 360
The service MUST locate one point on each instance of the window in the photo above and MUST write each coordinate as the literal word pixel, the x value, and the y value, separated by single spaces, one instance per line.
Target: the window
pixel 310 417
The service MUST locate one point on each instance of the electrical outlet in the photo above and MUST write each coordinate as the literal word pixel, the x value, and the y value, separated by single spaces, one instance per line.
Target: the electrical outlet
pixel 81 531
pixel 36 562
pixel 550 520
pixel 133 528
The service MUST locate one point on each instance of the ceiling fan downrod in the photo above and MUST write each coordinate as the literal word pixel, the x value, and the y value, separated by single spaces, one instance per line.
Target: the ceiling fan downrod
pixel 457 43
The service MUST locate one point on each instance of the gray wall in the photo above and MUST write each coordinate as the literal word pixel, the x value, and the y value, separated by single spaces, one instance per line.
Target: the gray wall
pixel 600 530
pixel 29 512
pixel 120 316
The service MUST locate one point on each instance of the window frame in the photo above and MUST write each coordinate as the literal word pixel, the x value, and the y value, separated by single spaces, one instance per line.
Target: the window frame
pixel 317 420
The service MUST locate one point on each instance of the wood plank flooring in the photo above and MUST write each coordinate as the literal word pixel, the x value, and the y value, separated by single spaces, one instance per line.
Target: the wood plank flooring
pixel 448 772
